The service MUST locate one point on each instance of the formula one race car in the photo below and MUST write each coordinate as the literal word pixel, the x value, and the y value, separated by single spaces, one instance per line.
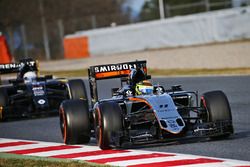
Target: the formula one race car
pixel 140 112
pixel 30 95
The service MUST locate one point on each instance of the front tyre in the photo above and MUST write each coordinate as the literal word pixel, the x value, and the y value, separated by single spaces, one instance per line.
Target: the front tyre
pixel 218 111
pixel 74 121
pixel 108 124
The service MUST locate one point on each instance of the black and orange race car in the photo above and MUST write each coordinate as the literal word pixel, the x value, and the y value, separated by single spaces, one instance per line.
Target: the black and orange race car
pixel 140 112
pixel 31 95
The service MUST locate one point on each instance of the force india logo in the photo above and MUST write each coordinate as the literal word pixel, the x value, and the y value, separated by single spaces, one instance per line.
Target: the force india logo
pixel 116 67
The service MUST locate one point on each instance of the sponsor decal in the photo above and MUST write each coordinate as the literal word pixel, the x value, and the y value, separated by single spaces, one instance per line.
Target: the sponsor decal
pixel 159 90
pixel 162 110
pixel 129 93
pixel 115 70
pixel 16 65
pixel 172 124
pixel 38 91
pixel 115 67
pixel 41 101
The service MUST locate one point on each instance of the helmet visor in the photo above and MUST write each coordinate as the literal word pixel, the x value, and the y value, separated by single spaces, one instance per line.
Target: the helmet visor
pixel 142 89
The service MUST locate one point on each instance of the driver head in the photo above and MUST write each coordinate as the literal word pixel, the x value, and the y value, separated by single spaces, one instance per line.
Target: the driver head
pixel 144 88
pixel 29 76
pixel 136 75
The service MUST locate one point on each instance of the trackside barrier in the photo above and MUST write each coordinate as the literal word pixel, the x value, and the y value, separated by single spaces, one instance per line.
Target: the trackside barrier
pixel 210 27
pixel 76 47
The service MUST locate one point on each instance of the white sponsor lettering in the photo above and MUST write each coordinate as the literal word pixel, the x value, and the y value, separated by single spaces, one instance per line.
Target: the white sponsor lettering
pixel 108 68
pixel 16 65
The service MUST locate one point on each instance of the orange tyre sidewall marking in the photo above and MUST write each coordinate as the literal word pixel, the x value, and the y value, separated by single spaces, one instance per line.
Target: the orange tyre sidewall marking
pixel 65 125
pixel 100 126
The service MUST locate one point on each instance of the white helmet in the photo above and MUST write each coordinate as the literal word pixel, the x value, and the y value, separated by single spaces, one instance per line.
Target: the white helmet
pixel 29 76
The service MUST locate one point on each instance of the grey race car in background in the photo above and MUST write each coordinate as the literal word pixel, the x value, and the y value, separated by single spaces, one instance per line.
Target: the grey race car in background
pixel 166 114
pixel 40 96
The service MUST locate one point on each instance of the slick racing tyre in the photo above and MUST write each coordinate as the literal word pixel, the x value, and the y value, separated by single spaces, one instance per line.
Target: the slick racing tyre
pixel 218 109
pixel 108 124
pixel 77 89
pixel 74 121
pixel 3 102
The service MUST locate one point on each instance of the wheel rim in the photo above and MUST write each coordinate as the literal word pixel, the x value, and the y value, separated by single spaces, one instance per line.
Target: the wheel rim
pixel 98 127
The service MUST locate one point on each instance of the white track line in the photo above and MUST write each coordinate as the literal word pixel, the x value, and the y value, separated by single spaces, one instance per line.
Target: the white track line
pixel 98 157
pixel 27 146
pixel 150 160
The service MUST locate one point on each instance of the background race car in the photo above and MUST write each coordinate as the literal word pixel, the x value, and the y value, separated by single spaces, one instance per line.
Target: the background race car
pixel 140 112
pixel 29 94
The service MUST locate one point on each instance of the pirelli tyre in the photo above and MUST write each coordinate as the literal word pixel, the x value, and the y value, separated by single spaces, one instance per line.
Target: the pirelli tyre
pixel 218 111
pixel 74 121
pixel 108 124
pixel 3 102
pixel 77 89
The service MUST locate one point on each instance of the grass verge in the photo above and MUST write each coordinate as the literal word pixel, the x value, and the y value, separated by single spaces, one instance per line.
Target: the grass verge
pixel 160 72
pixel 10 160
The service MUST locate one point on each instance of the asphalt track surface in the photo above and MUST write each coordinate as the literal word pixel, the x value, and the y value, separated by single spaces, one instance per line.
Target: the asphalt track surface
pixel 237 88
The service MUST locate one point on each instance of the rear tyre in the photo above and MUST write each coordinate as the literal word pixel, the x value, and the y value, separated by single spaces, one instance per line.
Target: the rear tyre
pixel 74 121
pixel 108 124
pixel 77 89
pixel 218 110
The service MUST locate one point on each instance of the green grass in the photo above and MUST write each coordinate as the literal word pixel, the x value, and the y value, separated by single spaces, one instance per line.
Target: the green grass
pixel 159 72
pixel 11 160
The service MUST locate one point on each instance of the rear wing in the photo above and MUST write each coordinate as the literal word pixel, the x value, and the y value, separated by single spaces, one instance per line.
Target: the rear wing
pixel 119 70
pixel 109 71
pixel 15 67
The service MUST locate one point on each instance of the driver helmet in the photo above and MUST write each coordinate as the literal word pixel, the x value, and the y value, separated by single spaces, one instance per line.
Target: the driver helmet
pixel 29 76
pixel 24 69
pixel 136 76
pixel 144 88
